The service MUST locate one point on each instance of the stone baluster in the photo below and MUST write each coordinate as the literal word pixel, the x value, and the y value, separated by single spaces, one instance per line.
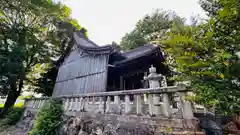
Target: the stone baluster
pixel 31 103
pixel 78 108
pixel 26 103
pixel 101 105
pixel 167 111
pixel 82 104
pixel 75 104
pixel 43 102
pixel 153 101
pixel 108 104
pixel 66 104
pixel 138 104
pixel 40 103
pixel 86 103
pixel 117 103
pixel 70 104
pixel 127 104
pixel 186 107
pixel 150 104
pixel 34 104
pixel 93 100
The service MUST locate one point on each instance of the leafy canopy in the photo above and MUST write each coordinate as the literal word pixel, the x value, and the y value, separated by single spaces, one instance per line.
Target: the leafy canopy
pixel 206 55
pixel 151 28
pixel 32 32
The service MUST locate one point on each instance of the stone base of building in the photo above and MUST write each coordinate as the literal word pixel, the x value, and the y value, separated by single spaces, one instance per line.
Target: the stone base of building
pixel 84 123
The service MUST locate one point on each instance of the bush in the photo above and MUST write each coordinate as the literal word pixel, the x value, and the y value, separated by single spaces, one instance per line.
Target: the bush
pixel 13 116
pixel 48 119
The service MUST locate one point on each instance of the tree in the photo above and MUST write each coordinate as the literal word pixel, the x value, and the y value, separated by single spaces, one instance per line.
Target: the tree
pixel 206 55
pixel 29 36
pixel 151 28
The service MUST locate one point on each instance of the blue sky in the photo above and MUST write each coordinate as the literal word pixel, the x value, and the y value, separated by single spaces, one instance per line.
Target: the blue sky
pixel 109 20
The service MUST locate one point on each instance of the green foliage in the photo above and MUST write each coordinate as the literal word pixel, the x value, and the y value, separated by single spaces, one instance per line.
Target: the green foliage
pixel 48 119
pixel 206 55
pixel 45 84
pixel 13 116
pixel 151 28
pixel 32 33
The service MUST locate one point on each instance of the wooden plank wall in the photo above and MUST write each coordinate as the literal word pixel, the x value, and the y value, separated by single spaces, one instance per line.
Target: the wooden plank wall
pixel 82 74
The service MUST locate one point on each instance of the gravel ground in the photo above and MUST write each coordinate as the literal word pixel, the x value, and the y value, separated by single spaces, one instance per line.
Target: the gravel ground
pixel 13 130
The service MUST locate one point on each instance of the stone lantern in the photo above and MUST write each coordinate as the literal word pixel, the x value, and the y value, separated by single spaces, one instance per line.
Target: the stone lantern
pixel 154 100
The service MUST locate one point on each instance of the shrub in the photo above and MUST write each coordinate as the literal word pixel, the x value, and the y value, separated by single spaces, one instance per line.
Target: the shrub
pixel 13 116
pixel 48 119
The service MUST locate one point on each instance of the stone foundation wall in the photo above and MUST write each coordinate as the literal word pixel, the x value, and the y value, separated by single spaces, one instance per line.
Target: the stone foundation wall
pixel 83 123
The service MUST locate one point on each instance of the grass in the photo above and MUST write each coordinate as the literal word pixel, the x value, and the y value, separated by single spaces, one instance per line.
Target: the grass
pixel 17 105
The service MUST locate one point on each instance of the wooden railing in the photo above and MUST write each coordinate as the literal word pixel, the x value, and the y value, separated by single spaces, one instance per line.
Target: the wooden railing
pixel 152 102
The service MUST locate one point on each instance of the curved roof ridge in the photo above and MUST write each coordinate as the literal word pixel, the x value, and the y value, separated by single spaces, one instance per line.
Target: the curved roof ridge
pixel 81 35
pixel 153 46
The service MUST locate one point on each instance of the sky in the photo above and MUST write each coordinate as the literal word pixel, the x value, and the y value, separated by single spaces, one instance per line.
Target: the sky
pixel 110 20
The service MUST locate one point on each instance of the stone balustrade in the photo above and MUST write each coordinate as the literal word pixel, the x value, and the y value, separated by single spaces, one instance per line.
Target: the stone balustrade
pixel 128 102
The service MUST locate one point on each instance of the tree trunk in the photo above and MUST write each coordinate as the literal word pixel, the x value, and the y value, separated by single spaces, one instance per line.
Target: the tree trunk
pixel 11 99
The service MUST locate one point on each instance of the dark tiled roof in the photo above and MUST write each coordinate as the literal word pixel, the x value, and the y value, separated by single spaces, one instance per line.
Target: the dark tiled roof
pixel 117 56
pixel 138 52
pixel 80 34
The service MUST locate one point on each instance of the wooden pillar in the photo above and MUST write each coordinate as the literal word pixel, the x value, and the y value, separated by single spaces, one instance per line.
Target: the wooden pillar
pixel 145 86
pixel 121 82
pixel 145 82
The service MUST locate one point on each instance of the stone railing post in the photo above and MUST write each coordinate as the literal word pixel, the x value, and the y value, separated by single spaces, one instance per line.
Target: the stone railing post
pixel 108 104
pixel 153 100
pixel 70 104
pixel 101 105
pixel 66 104
pixel 86 103
pixel 117 102
pixel 127 104
pixel 166 100
pixel 78 104
pixel 138 104
pixel 186 107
